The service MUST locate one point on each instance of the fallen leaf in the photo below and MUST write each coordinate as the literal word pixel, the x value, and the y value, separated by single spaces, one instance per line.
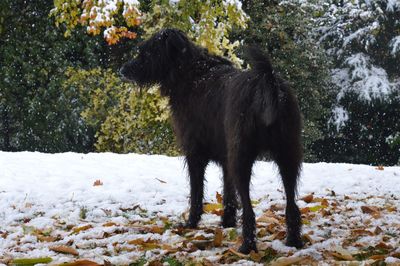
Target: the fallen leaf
pixel 255 256
pixel 308 199
pixel 79 229
pixel 31 261
pixel 161 181
pixel 109 224
pixel 284 261
pixel 97 183
pixel 383 245
pixel 210 207
pixel 218 237
pixel 218 197
pixel 380 167
pixel 369 209
pixel 42 238
pixel 377 257
pixel 81 263
pixel 342 254
pixel 65 250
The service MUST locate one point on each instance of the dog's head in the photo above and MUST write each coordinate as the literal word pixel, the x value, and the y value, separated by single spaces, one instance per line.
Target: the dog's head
pixel 164 52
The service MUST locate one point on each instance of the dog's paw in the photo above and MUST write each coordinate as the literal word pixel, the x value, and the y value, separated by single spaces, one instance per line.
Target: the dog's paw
pixel 246 248
pixel 294 242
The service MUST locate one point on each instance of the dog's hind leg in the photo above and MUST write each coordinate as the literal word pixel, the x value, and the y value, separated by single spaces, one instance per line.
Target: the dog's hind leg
pixel 240 165
pixel 288 158
pixel 229 200
pixel 196 166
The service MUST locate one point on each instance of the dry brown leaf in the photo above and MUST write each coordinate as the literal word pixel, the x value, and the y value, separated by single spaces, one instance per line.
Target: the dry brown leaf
pixel 81 263
pixel 237 253
pixel 378 230
pixel 161 181
pixel 377 257
pixel 218 237
pixel 391 208
pixel 218 197
pixel 380 167
pixel 361 232
pixel 202 244
pixel 76 230
pixel 109 224
pixel 255 256
pixel 279 235
pixel 369 209
pixel 155 229
pixel 97 183
pixel 342 254
pixel 65 250
pixel 383 245
pixel 307 238
pixel 265 218
pixel 46 238
pixel 308 199
pixel 284 261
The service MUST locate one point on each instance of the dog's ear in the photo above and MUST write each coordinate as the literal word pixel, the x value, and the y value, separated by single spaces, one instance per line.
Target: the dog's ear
pixel 176 42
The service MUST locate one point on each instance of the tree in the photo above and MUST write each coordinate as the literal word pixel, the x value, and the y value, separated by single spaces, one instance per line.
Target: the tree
pixel 35 114
pixel 207 22
pixel 363 39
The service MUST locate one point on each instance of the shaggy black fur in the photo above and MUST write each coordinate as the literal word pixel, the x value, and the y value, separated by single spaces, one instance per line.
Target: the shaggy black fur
pixel 228 116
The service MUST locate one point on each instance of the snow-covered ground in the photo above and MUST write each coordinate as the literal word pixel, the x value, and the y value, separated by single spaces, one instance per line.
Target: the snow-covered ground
pixel 120 208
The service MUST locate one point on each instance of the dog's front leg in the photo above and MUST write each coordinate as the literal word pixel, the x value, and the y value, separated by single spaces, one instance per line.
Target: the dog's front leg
pixel 196 165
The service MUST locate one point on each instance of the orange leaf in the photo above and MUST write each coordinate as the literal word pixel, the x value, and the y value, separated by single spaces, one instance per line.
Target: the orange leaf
pixel 377 257
pixel 308 198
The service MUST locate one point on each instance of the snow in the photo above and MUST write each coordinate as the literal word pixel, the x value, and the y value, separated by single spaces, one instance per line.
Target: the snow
pixel 46 190
pixel 395 45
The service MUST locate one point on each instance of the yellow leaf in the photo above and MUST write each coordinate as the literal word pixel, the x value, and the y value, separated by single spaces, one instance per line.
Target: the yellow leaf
pixel 210 207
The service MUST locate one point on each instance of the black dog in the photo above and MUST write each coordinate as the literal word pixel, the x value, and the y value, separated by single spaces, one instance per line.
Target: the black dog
pixel 228 116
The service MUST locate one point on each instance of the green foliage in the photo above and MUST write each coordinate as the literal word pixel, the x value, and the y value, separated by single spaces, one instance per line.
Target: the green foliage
pixel 368 136
pixel 359 37
pixel 284 30
pixel 125 118
pixel 34 112
pixel 208 23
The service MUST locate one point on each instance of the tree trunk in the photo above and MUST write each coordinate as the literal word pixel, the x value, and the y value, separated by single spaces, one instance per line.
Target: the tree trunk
pixel 6 129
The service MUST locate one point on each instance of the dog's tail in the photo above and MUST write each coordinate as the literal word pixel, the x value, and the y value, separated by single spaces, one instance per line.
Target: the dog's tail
pixel 267 90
